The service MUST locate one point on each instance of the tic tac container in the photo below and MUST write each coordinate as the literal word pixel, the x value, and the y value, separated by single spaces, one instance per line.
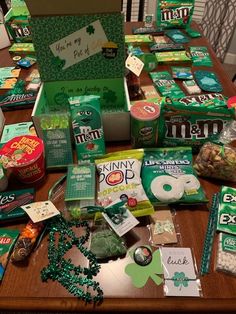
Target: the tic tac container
pixel 24 155
pixel 144 122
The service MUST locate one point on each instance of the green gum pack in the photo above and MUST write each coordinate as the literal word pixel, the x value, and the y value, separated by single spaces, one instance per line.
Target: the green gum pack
pixel 166 85
pixel 87 126
pixel 174 13
pixel 200 56
pixel 191 125
pixel 168 176
pixel 226 221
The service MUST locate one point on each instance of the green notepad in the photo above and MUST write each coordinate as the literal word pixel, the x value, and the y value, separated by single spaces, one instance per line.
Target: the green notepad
pixel 80 184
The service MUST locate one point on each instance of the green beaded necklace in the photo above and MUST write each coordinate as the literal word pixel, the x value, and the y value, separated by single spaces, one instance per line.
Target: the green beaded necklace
pixel 72 277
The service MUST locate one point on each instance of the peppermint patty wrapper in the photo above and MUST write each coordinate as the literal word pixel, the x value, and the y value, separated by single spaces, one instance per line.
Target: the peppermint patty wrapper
pixel 168 176
pixel 119 180
pixel 174 13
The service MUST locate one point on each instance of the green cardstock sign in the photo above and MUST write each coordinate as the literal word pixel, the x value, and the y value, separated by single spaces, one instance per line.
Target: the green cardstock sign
pixel 79 47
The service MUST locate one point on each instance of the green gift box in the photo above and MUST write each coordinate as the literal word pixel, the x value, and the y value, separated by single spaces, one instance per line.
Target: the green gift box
pixel 78 55
pixel 17 22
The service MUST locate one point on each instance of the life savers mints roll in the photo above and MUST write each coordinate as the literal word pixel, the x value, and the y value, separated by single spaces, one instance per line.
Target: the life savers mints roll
pixel 144 120
pixel 119 180
pixel 168 176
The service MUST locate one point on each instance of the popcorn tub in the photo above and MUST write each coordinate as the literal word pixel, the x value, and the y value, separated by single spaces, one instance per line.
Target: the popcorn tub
pixel 25 156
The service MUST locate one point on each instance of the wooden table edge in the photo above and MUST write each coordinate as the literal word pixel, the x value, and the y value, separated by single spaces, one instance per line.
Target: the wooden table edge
pixel 164 305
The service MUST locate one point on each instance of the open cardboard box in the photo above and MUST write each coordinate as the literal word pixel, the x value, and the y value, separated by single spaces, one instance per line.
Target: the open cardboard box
pixel 80 50
pixel 116 124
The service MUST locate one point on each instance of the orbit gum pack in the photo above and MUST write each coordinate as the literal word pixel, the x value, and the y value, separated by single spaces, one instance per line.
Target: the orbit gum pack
pixel 87 126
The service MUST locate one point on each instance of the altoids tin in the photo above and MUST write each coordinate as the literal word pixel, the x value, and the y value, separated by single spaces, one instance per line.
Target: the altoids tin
pixel 144 120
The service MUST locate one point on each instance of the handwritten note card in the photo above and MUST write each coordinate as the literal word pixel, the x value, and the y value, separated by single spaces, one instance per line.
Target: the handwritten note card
pixel 80 45
pixel 177 260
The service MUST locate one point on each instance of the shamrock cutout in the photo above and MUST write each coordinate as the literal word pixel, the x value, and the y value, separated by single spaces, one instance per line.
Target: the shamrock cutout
pixel 90 30
pixel 110 97
pixel 140 274
pixel 58 62
pixel 180 280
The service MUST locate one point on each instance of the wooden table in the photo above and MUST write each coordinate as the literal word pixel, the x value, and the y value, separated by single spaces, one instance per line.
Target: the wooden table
pixel 23 290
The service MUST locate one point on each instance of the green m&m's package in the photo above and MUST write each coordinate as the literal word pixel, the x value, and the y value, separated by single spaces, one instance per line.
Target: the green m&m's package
pixel 87 126
pixel 200 56
pixel 187 123
pixel 168 176
pixel 213 100
pixel 174 13
pixel 166 85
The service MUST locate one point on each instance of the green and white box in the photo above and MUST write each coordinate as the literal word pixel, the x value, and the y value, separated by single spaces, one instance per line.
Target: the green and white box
pixel 83 54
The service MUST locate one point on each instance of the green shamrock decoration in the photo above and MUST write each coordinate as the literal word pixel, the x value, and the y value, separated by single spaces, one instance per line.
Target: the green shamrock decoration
pixel 140 274
pixel 109 97
pixel 58 62
pixel 90 30
pixel 180 280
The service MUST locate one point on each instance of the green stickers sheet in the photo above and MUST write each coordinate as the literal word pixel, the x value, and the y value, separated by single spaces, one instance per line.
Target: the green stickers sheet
pixel 79 47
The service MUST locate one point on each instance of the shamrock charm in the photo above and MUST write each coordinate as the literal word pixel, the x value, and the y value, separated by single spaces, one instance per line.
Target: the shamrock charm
pixel 180 280
pixel 140 274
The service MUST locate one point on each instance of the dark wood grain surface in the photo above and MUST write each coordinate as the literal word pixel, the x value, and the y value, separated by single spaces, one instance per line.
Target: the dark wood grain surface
pixel 23 290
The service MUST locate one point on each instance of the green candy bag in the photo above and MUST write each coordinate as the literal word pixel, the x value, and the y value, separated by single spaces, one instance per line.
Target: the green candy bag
pixel 186 122
pixel 200 56
pixel 174 13
pixel 87 126
pixel 166 85
pixel 168 176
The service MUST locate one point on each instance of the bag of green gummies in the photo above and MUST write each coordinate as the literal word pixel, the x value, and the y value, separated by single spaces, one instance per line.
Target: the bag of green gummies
pixel 174 13
pixel 87 126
